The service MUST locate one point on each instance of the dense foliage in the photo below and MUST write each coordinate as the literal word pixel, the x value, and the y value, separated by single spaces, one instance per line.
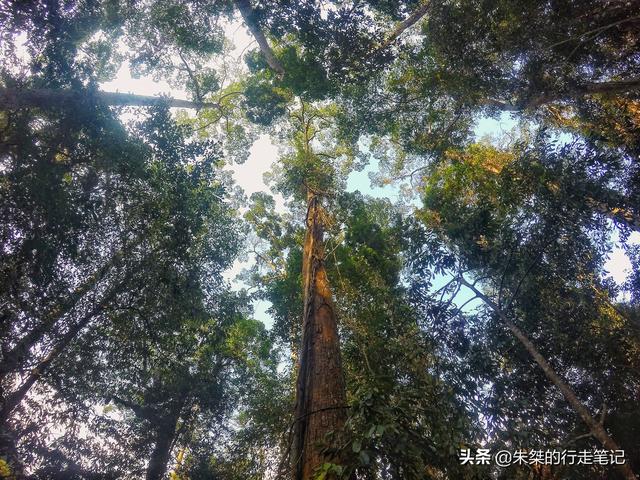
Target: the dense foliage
pixel 475 311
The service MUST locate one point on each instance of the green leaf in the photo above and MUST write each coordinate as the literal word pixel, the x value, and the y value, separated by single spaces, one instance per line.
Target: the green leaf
pixel 356 446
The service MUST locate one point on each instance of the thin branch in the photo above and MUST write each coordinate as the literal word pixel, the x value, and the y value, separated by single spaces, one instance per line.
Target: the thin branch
pixel 459 309
pixel 502 278
pixel 192 76
pixel 603 413
pixel 322 154
pixel 401 27
pixel 595 30
pixel 265 260
pixel 411 174
pixel 338 243
pixel 445 286
pixel 221 97
pixel 453 296
pixel 532 265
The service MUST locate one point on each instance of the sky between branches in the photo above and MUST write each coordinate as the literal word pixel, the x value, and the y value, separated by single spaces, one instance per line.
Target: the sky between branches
pixel 263 153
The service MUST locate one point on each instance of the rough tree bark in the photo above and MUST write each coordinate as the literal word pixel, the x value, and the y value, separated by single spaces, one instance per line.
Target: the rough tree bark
pixel 596 428
pixel 320 397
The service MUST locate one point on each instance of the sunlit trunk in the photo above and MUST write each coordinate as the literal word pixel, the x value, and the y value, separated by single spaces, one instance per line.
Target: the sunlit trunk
pixel 320 397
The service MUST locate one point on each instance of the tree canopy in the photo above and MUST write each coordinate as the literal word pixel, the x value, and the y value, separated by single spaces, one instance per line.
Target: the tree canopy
pixel 468 311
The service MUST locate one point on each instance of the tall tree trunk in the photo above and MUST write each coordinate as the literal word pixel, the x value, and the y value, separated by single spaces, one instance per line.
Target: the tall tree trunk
pixel 248 15
pixel 596 428
pixel 165 435
pixel 320 397
pixel 11 98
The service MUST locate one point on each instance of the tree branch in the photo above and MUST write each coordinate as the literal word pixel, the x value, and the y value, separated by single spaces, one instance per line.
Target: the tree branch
pixel 142 411
pixel 569 394
pixel 400 28
pixel 248 15
pixel 12 98
pixel 192 76
pixel 578 91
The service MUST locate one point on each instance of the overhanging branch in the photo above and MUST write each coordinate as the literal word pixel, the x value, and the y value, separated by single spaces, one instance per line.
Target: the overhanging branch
pixel 13 98
pixel 613 87
pixel 407 23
